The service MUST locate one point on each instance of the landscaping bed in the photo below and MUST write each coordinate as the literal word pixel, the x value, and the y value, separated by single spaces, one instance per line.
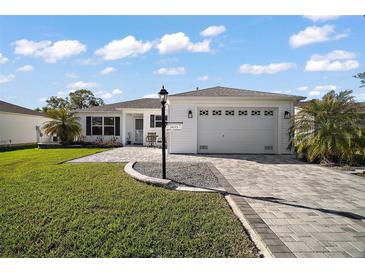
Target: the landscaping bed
pixel 50 209
pixel 181 173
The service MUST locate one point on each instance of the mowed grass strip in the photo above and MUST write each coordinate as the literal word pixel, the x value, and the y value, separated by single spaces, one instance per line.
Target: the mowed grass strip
pixel 96 210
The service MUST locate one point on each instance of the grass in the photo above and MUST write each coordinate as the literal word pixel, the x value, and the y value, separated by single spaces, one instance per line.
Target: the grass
pixel 96 210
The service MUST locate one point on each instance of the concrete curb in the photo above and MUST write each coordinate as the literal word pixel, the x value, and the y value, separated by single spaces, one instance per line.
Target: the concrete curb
pixel 164 182
pixel 143 178
pixel 254 236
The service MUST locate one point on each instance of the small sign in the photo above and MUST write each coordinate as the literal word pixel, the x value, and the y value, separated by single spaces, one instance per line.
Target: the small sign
pixel 174 126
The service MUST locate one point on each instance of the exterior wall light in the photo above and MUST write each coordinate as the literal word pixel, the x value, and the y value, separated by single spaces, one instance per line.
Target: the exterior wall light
pixel 190 114
pixel 287 115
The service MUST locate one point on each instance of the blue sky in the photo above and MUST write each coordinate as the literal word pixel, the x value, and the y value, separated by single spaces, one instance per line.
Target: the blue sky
pixel 126 57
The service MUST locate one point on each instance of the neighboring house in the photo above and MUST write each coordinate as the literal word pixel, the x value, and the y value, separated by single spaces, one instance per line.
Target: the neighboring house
pixel 19 125
pixel 214 120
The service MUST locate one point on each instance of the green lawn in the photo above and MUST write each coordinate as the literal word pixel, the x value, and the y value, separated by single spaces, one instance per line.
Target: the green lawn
pixel 96 210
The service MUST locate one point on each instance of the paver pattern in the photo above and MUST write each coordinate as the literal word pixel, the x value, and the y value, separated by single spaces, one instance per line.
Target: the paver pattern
pixel 314 211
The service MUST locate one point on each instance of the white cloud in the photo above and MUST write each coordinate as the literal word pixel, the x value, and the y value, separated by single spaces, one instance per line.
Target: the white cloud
pixel 360 96
pixel 337 60
pixel 109 95
pixel 314 93
pixel 151 95
pixel 50 52
pixel 71 75
pixel 171 71
pixel 213 31
pixel 26 68
pixel 107 70
pixel 176 42
pixel 6 78
pixel 269 69
pixel 29 48
pixel 314 34
pixel 118 49
pixel 302 88
pixel 282 91
pixel 3 59
pixel 321 18
pixel 321 90
pixel 81 85
pixel 61 94
pixel 43 99
pixel 203 78
pixel 325 88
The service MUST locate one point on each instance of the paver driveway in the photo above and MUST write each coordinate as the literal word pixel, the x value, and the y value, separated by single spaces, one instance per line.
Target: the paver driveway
pixel 315 211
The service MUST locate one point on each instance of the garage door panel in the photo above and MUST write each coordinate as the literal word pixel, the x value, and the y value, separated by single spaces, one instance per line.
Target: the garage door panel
pixel 237 134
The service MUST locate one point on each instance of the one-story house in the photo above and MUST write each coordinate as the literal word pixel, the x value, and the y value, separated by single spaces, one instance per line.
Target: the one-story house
pixel 214 120
pixel 19 125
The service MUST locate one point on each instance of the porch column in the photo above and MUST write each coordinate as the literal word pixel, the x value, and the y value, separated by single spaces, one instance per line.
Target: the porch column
pixel 123 127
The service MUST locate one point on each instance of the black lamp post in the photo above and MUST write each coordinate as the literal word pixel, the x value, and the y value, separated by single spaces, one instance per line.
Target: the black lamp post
pixel 163 97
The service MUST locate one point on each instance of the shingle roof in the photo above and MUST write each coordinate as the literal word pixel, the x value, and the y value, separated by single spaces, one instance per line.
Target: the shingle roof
pixel 7 107
pixel 235 92
pixel 139 103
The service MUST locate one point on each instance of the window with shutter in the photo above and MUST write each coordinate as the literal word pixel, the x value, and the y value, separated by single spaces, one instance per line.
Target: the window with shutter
pixel 152 121
pixel 117 126
pixel 88 126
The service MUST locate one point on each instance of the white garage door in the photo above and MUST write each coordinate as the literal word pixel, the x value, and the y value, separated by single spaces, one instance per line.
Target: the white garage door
pixel 237 130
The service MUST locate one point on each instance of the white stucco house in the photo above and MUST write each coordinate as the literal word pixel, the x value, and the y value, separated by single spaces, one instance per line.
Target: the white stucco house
pixel 214 120
pixel 19 125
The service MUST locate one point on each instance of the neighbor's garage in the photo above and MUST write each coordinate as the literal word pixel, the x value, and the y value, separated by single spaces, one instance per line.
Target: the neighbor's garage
pixel 237 130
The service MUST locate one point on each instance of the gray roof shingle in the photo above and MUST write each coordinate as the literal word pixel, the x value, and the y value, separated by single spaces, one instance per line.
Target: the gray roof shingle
pixel 235 92
pixel 7 107
pixel 139 103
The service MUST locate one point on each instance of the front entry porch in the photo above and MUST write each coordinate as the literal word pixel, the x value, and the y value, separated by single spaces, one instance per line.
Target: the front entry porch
pixel 134 124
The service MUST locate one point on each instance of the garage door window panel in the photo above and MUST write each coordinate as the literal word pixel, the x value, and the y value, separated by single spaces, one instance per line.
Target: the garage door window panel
pixel 204 112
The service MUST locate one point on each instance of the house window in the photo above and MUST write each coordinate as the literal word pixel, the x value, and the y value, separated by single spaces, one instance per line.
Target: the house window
pixel 242 112
pixel 158 120
pixel 217 112
pixel 229 112
pixel 255 112
pixel 97 125
pixel 109 125
pixel 203 112
pixel 269 113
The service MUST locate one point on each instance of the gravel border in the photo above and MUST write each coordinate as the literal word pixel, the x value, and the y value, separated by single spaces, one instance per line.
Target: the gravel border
pixel 181 173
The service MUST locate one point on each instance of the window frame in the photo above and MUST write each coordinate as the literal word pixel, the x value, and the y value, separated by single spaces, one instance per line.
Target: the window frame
pixel 96 125
pixel 109 126
pixel 158 120
pixel 103 125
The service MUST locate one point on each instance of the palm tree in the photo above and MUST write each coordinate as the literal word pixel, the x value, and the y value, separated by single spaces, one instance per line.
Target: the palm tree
pixel 63 124
pixel 331 129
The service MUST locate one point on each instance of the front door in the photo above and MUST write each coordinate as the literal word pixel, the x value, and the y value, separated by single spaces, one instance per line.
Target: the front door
pixel 139 131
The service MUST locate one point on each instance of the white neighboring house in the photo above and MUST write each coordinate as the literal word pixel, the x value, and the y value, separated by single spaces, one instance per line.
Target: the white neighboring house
pixel 214 120
pixel 19 125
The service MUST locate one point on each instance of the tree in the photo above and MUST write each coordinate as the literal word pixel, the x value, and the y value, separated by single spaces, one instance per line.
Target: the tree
pixel 83 98
pixel 361 76
pixel 63 124
pixel 55 102
pixel 78 99
pixel 331 129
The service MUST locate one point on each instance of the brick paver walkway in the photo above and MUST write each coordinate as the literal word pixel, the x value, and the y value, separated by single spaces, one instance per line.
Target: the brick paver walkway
pixel 314 211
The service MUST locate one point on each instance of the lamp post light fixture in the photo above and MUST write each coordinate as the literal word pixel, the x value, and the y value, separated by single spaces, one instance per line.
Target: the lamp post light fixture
pixel 163 97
